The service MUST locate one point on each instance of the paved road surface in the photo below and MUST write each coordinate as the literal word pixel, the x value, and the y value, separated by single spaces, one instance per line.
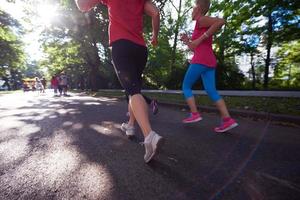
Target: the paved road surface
pixel 72 148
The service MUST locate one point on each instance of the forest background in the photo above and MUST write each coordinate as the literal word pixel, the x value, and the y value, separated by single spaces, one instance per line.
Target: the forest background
pixel 257 49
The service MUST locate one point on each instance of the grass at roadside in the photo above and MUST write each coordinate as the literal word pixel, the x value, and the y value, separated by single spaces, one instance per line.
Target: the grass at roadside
pixel 288 106
pixel 10 92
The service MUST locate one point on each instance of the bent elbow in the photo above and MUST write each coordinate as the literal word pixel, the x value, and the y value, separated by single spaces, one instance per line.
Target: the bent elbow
pixel 84 9
pixel 82 5
pixel 151 10
pixel 222 22
pixel 156 13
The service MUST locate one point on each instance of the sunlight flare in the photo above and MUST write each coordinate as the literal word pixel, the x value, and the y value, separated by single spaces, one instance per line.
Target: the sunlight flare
pixel 46 13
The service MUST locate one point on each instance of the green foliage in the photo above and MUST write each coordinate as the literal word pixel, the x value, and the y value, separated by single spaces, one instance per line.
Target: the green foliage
pixel 78 44
pixel 287 70
pixel 288 106
pixel 12 56
pixel 164 66
pixel 254 28
pixel 61 56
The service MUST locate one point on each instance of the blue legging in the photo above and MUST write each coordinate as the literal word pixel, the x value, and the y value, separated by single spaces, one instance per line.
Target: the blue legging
pixel 208 78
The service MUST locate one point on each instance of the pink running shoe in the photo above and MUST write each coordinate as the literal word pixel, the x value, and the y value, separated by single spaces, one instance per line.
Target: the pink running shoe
pixel 226 125
pixel 193 117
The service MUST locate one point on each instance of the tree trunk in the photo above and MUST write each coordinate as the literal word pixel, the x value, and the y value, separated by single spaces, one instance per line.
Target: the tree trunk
pixel 290 75
pixel 6 83
pixel 269 46
pixel 221 57
pixel 92 57
pixel 13 80
pixel 176 32
pixel 93 61
pixel 253 71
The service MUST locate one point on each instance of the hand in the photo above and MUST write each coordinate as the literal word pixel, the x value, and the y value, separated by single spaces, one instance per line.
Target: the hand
pixel 154 41
pixel 192 45
pixel 184 38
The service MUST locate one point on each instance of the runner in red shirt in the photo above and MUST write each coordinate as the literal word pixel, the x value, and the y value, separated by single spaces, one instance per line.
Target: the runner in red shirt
pixel 129 55
pixel 54 84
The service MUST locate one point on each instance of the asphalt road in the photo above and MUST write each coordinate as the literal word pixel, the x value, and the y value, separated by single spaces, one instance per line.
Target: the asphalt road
pixel 73 148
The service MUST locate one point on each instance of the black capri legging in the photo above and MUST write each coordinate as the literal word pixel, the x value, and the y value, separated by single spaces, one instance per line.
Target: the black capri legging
pixel 129 60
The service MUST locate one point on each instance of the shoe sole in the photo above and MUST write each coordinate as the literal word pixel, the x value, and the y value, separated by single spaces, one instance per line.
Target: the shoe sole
pixel 228 128
pixel 128 135
pixel 196 120
pixel 123 129
pixel 159 144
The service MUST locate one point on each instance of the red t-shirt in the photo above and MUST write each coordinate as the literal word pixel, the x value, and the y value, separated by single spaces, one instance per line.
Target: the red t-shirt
pixel 125 20
pixel 203 53
pixel 54 82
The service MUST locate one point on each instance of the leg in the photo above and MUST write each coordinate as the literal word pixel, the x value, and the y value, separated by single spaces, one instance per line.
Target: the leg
pixel 140 111
pixel 147 99
pixel 192 104
pixel 65 88
pixel 228 123
pixel 128 127
pixel 129 73
pixel 128 107
pixel 191 76
pixel 60 89
pixel 153 104
pixel 127 97
pixel 222 108
pixel 131 116
pixel 129 61
pixel 208 78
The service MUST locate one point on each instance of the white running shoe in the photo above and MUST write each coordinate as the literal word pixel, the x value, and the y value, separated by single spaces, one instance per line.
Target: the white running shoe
pixel 129 130
pixel 153 143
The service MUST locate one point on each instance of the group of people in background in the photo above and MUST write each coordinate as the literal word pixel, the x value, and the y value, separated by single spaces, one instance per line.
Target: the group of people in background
pixel 59 84
pixel 40 84
pixel 35 84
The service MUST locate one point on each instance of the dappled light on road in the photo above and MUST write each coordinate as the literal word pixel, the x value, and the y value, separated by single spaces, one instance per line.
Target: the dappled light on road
pixel 38 143
pixel 94 181
pixel 73 148
pixel 67 123
pixel 77 126
pixel 101 129
pixel 13 149
pixel 92 103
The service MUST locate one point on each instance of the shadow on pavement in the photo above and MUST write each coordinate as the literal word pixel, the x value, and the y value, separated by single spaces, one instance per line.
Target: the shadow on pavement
pixel 73 148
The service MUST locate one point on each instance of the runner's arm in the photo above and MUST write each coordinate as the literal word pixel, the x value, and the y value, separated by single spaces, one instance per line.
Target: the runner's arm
pixel 152 11
pixel 214 25
pixel 86 5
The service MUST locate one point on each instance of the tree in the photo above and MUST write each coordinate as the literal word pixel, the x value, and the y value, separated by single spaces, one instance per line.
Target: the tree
pixel 80 36
pixel 12 56
pixel 181 11
pixel 281 25
pixel 227 43
pixel 288 66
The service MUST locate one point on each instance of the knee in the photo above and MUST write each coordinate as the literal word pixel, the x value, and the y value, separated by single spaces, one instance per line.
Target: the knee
pixel 133 91
pixel 214 96
pixel 187 91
